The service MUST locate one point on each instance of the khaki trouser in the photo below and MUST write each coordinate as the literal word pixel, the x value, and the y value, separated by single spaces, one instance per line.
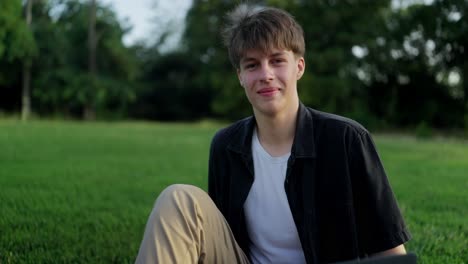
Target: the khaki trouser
pixel 185 226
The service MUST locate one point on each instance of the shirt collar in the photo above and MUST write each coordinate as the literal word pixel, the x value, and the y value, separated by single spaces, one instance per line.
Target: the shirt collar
pixel 304 142
pixel 304 139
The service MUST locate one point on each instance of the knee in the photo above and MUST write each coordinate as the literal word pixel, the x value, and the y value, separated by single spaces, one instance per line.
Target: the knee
pixel 178 191
pixel 175 189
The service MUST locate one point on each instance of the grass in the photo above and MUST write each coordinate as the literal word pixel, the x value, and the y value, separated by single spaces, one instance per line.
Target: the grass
pixel 81 192
pixel 430 180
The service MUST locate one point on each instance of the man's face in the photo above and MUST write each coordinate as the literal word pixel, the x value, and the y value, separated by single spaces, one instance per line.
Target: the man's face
pixel 270 80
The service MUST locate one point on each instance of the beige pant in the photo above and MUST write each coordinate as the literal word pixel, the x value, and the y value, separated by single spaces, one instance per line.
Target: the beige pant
pixel 185 226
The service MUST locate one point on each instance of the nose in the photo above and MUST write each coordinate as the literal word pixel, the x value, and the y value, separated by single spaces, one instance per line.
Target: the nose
pixel 266 72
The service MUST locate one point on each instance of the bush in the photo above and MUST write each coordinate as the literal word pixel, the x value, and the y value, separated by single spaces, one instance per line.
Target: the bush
pixel 423 130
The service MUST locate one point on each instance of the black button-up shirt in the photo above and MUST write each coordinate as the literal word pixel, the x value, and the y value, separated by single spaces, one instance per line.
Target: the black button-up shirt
pixel 338 193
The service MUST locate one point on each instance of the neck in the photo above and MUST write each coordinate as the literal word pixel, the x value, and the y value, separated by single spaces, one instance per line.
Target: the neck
pixel 276 133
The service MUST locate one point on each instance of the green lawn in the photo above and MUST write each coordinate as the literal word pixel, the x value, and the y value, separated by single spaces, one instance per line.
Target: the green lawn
pixel 81 192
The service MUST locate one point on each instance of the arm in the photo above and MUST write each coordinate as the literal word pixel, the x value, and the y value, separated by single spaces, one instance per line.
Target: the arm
pixel 380 225
pixel 214 182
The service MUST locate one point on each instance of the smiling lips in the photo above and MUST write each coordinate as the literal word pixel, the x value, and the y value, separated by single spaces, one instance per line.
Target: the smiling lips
pixel 268 91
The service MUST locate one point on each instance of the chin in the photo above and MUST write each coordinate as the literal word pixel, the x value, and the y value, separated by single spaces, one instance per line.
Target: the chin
pixel 268 110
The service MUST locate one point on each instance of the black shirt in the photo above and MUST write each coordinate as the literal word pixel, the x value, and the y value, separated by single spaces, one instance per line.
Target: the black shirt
pixel 338 193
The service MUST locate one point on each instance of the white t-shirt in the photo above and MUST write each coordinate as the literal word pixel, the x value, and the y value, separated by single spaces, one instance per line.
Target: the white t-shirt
pixel 270 224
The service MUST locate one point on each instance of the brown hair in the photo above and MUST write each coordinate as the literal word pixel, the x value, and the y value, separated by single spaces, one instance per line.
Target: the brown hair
pixel 264 28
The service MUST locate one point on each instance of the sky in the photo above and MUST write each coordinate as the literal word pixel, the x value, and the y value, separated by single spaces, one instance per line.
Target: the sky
pixel 149 17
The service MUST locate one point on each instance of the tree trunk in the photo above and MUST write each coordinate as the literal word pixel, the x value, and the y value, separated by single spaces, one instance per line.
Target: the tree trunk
pixel 465 92
pixel 26 87
pixel 89 109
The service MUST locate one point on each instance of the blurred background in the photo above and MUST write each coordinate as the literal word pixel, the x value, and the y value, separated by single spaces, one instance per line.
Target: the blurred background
pixel 390 64
pixel 75 191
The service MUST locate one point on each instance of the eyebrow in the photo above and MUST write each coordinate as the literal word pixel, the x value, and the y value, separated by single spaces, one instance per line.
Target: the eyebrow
pixel 249 59
pixel 276 54
pixel 245 60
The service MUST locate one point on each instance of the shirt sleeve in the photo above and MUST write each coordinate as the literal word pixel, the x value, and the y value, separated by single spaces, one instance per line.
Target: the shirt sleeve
pixel 212 185
pixel 379 223
pixel 214 182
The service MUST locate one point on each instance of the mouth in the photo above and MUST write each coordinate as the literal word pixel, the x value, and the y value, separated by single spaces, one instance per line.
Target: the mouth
pixel 268 91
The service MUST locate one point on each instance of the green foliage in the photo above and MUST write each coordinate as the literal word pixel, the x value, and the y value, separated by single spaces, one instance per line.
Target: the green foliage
pixel 16 40
pixel 332 29
pixel 327 85
pixel 385 67
pixel 466 125
pixel 394 78
pixel 423 130
pixel 406 62
pixel 174 90
pixel 230 101
pixel 17 48
pixel 17 45
pixel 203 46
pixel 81 192
pixel 66 84
pixel 60 75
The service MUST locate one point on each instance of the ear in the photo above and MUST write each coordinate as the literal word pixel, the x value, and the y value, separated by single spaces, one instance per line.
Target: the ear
pixel 300 67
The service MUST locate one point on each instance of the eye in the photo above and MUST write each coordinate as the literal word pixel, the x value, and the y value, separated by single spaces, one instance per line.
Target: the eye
pixel 278 61
pixel 250 66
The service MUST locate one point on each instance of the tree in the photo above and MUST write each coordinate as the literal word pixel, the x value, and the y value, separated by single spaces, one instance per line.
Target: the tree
pixel 332 29
pixel 26 91
pixel 92 45
pixel 406 66
pixel 450 35
pixel 64 80
pixel 16 45
pixel 172 91
pixel 203 46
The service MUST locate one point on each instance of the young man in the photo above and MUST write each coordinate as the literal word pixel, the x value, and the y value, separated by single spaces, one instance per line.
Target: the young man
pixel 292 184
